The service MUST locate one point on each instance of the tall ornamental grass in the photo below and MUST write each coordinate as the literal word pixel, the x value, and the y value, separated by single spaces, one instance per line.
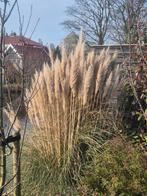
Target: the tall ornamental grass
pixel 66 104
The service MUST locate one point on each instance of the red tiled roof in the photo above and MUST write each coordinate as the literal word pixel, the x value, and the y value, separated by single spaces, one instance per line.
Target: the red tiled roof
pixel 31 50
pixel 21 41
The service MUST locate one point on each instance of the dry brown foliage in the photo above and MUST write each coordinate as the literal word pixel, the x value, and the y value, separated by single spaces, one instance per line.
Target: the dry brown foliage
pixel 64 93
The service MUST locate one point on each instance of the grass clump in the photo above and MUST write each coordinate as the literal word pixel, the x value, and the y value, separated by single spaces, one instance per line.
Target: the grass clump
pixel 67 101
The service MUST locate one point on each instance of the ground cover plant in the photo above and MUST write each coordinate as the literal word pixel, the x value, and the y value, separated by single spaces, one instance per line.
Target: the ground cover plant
pixel 119 170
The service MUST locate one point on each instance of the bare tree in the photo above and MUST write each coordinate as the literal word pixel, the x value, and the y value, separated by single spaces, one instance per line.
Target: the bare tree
pixel 90 15
pixel 10 136
pixel 126 18
pixel 6 8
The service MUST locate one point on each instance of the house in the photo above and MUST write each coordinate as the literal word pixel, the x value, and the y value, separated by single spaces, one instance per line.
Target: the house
pixel 70 41
pixel 23 55
pixel 124 51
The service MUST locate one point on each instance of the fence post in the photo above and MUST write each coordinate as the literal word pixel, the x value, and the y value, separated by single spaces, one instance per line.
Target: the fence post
pixel 17 167
pixel 2 168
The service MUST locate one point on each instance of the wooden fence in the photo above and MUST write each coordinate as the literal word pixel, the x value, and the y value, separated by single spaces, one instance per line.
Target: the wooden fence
pixel 124 51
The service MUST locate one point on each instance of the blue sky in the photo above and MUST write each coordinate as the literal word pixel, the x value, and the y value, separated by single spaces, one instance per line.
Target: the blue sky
pixel 51 14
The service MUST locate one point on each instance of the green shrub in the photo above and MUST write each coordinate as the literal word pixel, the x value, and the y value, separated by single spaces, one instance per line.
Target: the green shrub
pixel 120 170
pixel 133 100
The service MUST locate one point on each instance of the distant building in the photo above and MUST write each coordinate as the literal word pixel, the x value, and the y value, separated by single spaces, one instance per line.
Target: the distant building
pixel 23 54
pixel 124 51
pixel 70 41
